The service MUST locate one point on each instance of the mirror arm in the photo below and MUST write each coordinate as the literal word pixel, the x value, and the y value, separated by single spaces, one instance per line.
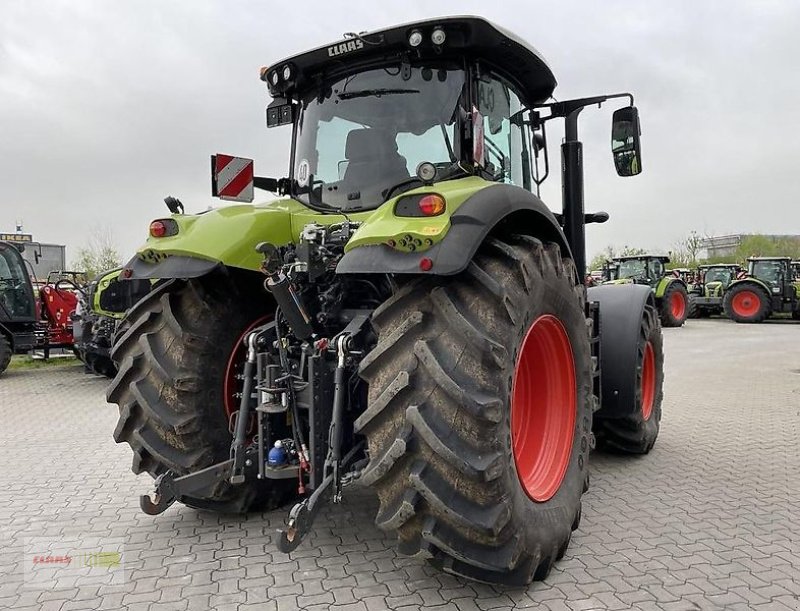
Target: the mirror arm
pixel 567 107
pixel 273 185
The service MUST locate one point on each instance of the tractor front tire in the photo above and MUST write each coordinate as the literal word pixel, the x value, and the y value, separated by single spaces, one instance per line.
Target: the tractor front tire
pixel 693 309
pixel 170 386
pixel 5 353
pixel 747 303
pixel 674 305
pixel 479 414
pixel 636 432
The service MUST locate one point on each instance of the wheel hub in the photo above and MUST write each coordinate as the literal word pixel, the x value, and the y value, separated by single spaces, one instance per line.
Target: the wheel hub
pixel 678 305
pixel 746 303
pixel 648 381
pixel 543 407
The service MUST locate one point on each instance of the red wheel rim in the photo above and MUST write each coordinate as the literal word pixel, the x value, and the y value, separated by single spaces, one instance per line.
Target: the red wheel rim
pixel 745 303
pixel 543 408
pixel 234 367
pixel 678 305
pixel 648 380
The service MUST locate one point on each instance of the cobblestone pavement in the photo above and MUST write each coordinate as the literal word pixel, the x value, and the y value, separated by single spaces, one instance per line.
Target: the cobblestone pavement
pixel 709 520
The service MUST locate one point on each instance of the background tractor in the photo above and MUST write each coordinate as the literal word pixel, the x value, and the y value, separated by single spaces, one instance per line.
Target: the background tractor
pixel 670 290
pixel 18 319
pixel 768 288
pixel 408 317
pixel 706 294
pixel 102 307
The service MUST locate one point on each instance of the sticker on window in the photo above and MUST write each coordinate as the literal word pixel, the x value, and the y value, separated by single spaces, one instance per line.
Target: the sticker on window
pixel 303 172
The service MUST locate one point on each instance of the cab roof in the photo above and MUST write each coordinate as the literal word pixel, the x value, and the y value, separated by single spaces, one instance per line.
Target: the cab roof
pixel 465 37
pixel 769 259
pixel 662 258
pixel 709 265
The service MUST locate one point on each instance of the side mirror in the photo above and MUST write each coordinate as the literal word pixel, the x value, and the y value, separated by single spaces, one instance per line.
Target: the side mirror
pixel 625 141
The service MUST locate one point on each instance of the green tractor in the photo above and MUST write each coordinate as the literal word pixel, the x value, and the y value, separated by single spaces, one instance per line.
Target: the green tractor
pixel 670 289
pixel 768 288
pixel 706 294
pixel 101 307
pixel 18 320
pixel 407 316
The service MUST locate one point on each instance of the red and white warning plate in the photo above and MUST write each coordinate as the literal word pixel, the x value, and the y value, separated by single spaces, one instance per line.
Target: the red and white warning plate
pixel 232 178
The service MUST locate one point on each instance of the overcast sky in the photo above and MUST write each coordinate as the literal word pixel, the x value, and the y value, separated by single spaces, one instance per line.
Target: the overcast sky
pixel 108 106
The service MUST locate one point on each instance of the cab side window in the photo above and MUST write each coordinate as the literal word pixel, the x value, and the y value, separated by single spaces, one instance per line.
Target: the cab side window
pixel 506 139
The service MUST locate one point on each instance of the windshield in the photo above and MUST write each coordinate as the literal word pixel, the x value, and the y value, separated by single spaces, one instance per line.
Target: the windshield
pixel 768 271
pixel 632 268
pixel 719 274
pixel 16 294
pixel 369 131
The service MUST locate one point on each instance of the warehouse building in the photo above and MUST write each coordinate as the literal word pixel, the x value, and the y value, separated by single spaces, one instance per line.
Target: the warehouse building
pixel 42 258
pixel 726 245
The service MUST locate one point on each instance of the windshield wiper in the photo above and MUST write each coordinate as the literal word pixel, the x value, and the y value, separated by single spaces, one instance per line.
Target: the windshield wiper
pixel 365 93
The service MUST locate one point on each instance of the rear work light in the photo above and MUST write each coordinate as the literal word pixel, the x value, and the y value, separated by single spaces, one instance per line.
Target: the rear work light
pixel 163 228
pixel 426 204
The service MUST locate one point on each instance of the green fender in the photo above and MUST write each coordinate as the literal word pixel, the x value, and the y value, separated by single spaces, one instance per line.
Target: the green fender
pixel 664 283
pixel 227 236
pixel 750 280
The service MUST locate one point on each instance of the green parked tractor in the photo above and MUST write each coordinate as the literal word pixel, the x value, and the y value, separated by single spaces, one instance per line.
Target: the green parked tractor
pixel 670 290
pixel 768 288
pixel 706 294
pixel 406 316
pixel 101 307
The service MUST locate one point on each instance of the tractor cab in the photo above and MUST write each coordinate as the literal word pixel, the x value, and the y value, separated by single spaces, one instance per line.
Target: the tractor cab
pixel 775 272
pixel 642 269
pixel 718 274
pixel 17 305
pixel 384 113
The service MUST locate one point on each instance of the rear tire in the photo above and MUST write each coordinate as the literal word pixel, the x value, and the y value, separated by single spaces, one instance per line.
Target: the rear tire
pixel 674 305
pixel 446 460
pixel 747 303
pixel 5 353
pixel 169 387
pixel 636 433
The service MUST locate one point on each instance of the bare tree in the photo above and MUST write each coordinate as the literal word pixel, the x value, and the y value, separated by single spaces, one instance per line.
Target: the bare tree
pixel 99 254
pixel 693 245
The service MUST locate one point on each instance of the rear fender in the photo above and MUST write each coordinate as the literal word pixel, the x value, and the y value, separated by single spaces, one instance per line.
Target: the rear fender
pixel 498 207
pixel 621 311
pixel 665 283
pixel 751 281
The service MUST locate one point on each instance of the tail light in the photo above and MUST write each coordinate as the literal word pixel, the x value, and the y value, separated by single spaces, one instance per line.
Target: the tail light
pixel 163 228
pixel 426 204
